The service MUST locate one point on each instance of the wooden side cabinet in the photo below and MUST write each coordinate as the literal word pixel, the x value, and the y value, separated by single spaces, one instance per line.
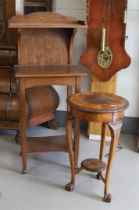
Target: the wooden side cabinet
pixel 9 109
pixel 45 45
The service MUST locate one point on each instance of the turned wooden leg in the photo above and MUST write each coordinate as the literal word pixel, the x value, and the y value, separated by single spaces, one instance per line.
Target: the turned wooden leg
pixel 76 143
pixel 115 128
pixel 22 114
pixel 70 186
pixel 102 145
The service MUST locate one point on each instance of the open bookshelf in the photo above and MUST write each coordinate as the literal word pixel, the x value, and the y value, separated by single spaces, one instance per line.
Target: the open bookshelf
pixel 37 5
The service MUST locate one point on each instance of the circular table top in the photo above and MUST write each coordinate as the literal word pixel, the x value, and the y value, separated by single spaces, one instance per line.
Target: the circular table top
pixel 97 102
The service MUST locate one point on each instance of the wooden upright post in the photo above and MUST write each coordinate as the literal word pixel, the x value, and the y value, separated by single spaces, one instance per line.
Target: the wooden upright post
pixel 94 129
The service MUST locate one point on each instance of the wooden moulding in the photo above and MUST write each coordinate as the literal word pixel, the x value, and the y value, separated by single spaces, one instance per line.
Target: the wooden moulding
pixel 45 20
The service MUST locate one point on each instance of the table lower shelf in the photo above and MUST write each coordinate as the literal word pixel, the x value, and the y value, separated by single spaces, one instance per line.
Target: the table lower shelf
pixel 47 144
pixel 93 165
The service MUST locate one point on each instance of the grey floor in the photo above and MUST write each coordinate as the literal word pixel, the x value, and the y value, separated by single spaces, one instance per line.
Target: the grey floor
pixel 42 188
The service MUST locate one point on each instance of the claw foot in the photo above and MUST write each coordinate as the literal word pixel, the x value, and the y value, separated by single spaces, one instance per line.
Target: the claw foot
pixel 107 198
pixel 69 187
pixel 24 171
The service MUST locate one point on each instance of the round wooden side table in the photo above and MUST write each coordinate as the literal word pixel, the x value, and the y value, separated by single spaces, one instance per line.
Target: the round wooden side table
pixel 105 108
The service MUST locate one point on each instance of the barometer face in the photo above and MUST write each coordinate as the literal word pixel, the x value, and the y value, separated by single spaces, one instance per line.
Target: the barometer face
pixel 104 58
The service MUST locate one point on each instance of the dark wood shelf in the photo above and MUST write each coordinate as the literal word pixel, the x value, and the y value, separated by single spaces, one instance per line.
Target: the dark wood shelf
pixel 47 144
pixel 50 74
pixel 47 25
pixel 31 71
pixel 45 20
pixel 93 165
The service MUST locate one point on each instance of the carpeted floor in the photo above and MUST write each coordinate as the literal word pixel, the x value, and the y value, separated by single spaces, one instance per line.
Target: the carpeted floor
pixel 42 188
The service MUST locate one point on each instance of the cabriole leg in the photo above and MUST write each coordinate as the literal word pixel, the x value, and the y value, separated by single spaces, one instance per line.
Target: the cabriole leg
pixel 76 143
pixel 102 145
pixel 115 128
pixel 70 186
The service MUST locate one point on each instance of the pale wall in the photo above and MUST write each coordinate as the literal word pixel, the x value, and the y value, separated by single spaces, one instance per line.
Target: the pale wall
pixel 127 83
pixel 128 80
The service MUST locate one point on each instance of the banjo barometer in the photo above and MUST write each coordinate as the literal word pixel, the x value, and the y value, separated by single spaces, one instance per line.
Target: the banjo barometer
pixel 105 53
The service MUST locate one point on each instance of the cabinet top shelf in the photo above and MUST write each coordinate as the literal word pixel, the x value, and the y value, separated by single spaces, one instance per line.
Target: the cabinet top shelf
pixel 33 71
pixel 45 20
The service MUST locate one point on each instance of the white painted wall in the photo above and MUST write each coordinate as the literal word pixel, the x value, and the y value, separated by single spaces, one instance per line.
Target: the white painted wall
pixel 127 83
pixel 128 80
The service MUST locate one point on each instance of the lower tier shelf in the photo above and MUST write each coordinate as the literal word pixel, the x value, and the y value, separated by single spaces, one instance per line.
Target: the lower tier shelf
pixel 93 165
pixel 47 144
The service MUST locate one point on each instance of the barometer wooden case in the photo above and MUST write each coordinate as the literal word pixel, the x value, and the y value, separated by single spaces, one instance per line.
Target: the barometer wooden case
pixel 105 53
